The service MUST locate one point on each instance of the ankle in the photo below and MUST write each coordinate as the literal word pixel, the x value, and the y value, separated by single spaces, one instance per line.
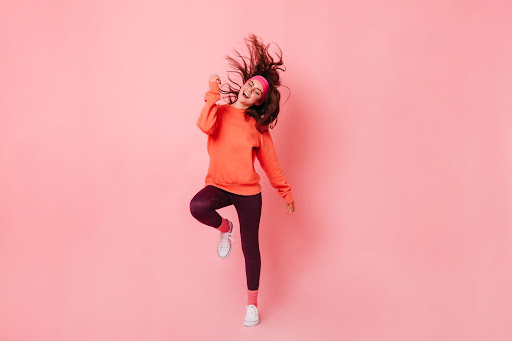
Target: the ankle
pixel 252 297
pixel 224 227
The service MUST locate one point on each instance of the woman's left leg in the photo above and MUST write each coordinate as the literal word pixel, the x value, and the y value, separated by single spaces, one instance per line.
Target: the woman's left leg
pixel 249 215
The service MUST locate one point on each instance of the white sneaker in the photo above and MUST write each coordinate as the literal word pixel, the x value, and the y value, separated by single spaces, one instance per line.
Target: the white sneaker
pixel 224 244
pixel 252 317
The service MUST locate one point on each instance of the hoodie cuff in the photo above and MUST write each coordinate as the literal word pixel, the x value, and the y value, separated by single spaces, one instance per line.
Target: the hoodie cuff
pixel 214 86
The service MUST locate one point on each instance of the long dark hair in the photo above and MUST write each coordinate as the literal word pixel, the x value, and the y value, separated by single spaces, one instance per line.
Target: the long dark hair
pixel 261 63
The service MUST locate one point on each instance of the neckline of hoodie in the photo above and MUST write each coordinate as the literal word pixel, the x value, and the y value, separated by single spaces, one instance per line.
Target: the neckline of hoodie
pixel 232 107
pixel 241 111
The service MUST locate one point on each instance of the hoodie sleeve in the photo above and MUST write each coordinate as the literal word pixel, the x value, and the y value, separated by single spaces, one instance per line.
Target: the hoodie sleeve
pixel 207 120
pixel 267 157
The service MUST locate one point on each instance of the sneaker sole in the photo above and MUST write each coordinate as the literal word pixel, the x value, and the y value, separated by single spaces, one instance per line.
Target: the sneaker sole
pixel 226 256
pixel 252 323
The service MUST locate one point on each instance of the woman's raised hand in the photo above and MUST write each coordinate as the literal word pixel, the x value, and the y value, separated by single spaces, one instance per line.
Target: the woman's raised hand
pixel 214 78
pixel 290 208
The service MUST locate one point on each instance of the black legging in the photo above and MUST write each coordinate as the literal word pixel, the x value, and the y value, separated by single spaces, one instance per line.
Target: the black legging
pixel 248 207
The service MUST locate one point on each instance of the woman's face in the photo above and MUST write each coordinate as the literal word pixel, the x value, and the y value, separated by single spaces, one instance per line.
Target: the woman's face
pixel 251 93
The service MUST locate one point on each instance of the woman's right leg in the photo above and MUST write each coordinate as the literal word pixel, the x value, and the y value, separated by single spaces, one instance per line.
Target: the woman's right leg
pixel 204 204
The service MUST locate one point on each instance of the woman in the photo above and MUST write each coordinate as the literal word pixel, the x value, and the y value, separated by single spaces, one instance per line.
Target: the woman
pixel 238 133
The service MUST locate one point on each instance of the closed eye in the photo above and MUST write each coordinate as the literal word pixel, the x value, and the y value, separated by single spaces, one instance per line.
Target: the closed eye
pixel 256 89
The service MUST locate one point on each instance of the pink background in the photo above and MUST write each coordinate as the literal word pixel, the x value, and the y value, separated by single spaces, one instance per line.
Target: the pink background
pixel 397 141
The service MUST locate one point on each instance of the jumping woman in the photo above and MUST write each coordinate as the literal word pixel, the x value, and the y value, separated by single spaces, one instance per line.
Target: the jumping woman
pixel 238 133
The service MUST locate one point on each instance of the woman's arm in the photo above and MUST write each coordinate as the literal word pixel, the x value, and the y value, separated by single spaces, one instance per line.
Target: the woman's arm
pixel 267 157
pixel 207 120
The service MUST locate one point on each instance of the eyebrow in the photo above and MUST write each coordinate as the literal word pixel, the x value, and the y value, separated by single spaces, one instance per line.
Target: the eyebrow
pixel 257 88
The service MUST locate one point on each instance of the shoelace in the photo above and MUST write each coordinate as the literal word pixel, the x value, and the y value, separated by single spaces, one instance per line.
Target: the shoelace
pixel 224 241
pixel 251 311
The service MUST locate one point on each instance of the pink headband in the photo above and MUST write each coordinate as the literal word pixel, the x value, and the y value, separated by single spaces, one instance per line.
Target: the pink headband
pixel 264 83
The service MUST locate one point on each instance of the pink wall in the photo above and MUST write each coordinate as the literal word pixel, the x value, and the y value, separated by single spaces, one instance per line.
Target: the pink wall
pixel 397 140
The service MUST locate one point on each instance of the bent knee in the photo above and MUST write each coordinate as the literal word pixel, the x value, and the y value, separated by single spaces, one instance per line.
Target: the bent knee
pixel 198 207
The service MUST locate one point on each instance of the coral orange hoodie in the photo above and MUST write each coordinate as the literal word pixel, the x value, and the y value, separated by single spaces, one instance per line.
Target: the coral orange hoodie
pixel 233 143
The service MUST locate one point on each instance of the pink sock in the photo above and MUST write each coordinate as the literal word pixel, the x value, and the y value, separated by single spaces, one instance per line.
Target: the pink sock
pixel 224 227
pixel 252 297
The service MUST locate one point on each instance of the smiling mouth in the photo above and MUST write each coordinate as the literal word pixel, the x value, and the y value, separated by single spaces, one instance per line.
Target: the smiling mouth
pixel 245 95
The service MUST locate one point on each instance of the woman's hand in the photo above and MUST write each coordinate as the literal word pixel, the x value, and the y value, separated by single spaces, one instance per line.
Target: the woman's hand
pixel 214 78
pixel 290 208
